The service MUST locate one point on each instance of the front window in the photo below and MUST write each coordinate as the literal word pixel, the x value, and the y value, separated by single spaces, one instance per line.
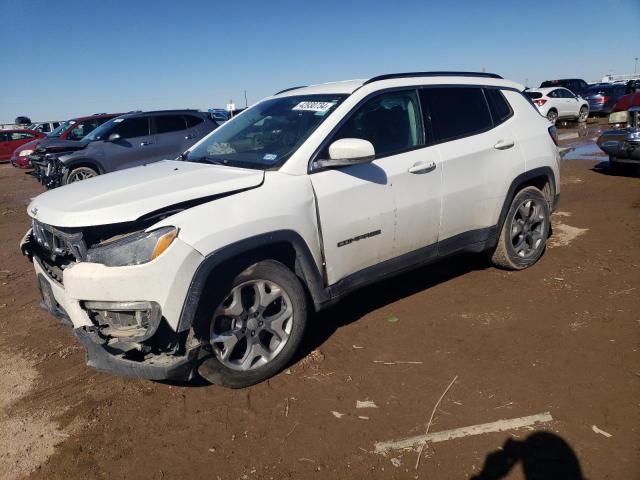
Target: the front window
pixel 267 134
pixel 61 128
pixel 83 128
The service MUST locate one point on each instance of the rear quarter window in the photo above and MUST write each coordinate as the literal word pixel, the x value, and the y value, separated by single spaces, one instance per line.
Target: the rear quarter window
pixel 192 120
pixel 456 112
pixel 498 105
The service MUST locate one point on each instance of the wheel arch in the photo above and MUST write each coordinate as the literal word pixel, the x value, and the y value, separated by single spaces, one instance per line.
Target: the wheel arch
pixel 285 246
pixel 85 162
pixel 542 178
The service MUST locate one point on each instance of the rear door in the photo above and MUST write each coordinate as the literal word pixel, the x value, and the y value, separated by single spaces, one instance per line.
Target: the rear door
pixel 171 136
pixel 132 148
pixel 376 211
pixel 479 156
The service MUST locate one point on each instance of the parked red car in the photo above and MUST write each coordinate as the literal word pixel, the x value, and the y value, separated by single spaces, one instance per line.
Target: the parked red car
pixel 71 130
pixel 12 139
pixel 626 102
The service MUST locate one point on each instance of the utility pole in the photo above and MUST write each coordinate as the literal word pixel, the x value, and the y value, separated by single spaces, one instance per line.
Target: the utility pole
pixel 635 68
pixel 246 104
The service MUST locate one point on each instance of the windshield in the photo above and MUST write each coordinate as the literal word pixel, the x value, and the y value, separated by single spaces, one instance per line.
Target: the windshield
pixel 600 89
pixel 61 128
pixel 267 134
pixel 102 131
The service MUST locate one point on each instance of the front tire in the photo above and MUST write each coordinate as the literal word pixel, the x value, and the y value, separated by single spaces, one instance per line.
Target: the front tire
pixel 77 174
pixel 524 232
pixel 255 327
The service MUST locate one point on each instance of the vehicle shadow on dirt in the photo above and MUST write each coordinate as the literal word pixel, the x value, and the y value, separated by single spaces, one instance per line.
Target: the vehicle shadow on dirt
pixel 605 168
pixel 542 455
pixel 361 302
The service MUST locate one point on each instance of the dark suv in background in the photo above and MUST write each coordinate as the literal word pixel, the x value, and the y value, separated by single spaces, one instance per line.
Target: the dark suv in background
pixel 576 85
pixel 66 134
pixel 129 140
pixel 603 97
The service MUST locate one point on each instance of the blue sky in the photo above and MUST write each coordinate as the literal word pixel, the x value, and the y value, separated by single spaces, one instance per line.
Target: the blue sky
pixel 66 58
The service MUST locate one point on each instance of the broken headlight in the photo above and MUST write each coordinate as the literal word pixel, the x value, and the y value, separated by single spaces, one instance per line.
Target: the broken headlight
pixel 134 249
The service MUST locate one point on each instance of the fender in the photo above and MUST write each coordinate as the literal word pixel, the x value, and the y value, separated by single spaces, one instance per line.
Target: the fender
pixel 521 179
pixel 304 263
pixel 83 161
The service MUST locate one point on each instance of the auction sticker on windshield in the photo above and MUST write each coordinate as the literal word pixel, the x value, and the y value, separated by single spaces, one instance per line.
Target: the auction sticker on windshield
pixel 314 106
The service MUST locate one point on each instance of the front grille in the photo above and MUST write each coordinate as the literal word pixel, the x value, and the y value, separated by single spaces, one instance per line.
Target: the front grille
pixel 58 243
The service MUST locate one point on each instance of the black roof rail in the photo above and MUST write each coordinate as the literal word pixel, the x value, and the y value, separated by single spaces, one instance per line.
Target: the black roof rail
pixel 288 89
pixel 432 74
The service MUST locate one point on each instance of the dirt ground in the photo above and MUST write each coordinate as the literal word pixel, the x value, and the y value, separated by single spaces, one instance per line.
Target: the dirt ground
pixel 561 337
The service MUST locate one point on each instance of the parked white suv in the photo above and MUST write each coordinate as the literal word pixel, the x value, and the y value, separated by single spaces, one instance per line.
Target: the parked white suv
pixel 559 104
pixel 212 263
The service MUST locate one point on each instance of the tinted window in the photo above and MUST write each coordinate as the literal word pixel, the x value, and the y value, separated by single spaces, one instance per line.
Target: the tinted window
pixel 391 122
pixel 500 108
pixel 192 120
pixel 83 128
pixel 132 127
pixel 456 112
pixel 567 94
pixel 169 123
pixel 533 94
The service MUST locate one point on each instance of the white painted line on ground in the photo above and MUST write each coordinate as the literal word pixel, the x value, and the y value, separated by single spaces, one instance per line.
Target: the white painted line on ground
pixel 498 426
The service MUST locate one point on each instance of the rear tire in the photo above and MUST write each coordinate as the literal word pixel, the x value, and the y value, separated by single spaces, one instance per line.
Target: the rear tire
pixel 583 115
pixel 525 230
pixel 253 325
pixel 552 116
pixel 77 174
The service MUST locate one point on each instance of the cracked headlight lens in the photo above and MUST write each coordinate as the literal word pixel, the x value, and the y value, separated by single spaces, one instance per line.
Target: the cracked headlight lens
pixel 134 249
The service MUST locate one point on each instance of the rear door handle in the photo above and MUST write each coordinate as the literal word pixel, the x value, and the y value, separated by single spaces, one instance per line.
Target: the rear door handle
pixel 144 144
pixel 504 144
pixel 422 167
pixel 190 137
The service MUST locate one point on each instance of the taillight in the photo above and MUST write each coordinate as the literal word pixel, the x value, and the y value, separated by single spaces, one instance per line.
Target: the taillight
pixel 605 99
pixel 553 131
pixel 539 101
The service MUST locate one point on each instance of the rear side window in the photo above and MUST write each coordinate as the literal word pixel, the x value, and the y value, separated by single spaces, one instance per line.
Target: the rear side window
pixel 21 136
pixel 192 120
pixel 456 111
pixel 170 123
pixel 391 122
pixel 498 105
pixel 132 127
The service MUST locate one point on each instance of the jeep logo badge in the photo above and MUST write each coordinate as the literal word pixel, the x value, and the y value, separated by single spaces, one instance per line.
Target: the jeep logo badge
pixel 34 210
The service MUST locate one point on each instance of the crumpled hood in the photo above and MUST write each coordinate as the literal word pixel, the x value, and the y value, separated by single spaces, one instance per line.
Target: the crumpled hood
pixel 59 145
pixel 127 195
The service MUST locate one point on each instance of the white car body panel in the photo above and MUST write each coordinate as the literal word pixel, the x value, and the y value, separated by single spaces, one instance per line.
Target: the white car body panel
pixel 360 200
pixel 126 195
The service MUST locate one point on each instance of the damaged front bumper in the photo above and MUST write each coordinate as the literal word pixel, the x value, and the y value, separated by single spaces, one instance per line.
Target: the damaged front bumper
pixel 120 333
pixel 48 169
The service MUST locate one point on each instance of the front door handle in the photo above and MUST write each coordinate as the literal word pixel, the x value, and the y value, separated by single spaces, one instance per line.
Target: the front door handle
pixel 144 144
pixel 422 167
pixel 504 144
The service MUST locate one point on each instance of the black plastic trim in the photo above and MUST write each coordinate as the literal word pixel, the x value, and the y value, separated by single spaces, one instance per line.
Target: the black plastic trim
pixel 304 260
pixel 432 74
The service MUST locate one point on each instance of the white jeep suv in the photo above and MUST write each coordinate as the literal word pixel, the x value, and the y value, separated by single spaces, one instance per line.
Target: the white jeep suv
pixel 213 262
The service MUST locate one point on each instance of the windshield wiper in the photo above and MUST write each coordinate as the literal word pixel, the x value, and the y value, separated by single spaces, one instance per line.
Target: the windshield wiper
pixel 210 160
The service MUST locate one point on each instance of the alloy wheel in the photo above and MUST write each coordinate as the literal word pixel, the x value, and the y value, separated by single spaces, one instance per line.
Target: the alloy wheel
pixel 527 228
pixel 252 325
pixel 80 174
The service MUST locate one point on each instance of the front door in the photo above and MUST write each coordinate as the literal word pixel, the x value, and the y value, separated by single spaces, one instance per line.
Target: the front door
pixel 373 212
pixel 134 146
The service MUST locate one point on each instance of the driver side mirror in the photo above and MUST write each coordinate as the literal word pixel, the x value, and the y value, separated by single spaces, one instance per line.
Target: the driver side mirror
pixel 348 151
pixel 113 137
